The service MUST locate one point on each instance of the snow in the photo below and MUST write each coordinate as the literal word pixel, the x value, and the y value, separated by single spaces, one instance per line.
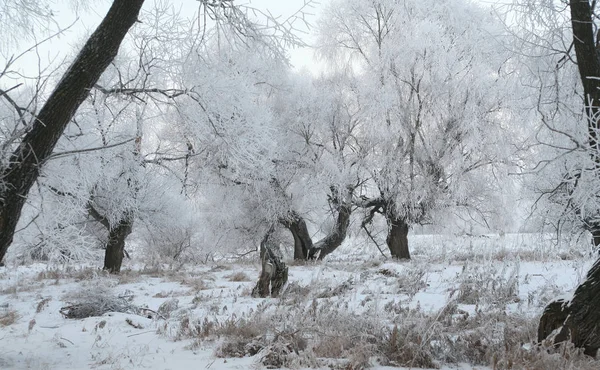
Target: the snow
pixel 41 338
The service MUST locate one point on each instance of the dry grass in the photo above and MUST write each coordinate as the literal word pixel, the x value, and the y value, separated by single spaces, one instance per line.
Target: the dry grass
pixel 76 273
pixel 324 324
pixel 171 294
pixel 239 277
pixel 218 268
pixel 301 330
pixel 195 283
pixel 495 284
pixel 8 317
pixel 96 301
pixel 42 304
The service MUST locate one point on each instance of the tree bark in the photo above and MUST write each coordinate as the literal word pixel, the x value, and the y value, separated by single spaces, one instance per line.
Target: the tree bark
pixel 332 241
pixel 302 240
pixel 554 316
pixel 304 248
pixel 577 320
pixel 588 63
pixel 397 238
pixel 115 247
pixel 37 145
pixel 274 272
pixel 582 324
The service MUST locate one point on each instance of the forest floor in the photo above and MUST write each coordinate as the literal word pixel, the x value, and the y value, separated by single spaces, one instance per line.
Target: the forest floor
pixel 460 303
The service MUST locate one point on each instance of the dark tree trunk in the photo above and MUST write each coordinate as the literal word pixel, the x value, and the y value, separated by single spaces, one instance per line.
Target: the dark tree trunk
pixel 24 165
pixel 274 272
pixel 576 320
pixel 595 230
pixel 304 248
pixel 117 234
pixel 302 240
pixel 553 318
pixel 582 325
pixel 588 63
pixel 397 238
pixel 115 246
pixel 332 241
pixel 579 319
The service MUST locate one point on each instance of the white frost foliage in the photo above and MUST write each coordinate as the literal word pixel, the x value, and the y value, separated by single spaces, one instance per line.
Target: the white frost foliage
pixel 23 20
pixel 432 88
pixel 20 18
pixel 168 223
pixel 50 229
pixel 228 116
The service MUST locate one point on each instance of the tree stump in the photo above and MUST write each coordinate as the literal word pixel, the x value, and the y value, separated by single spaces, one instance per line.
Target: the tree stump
pixel 274 272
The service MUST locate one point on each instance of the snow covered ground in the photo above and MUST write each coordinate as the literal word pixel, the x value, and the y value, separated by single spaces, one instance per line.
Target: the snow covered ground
pixel 466 303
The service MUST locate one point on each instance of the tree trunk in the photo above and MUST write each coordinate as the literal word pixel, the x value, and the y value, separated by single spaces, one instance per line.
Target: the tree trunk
pixel 577 320
pixel 37 145
pixel 302 240
pixel 553 318
pixel 588 63
pixel 274 272
pixel 583 321
pixel 332 241
pixel 397 238
pixel 115 247
pixel 595 231
pixel 304 248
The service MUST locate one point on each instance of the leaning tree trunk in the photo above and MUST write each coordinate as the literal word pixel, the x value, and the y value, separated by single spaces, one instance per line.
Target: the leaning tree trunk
pixel 579 319
pixel 115 246
pixel 302 240
pixel 332 241
pixel 397 238
pixel 37 145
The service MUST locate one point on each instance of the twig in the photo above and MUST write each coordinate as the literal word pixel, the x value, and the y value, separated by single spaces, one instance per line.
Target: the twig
pixel 247 253
pixel 130 322
pixel 63 338
pixel 373 239
pixel 154 312
pixel 68 152
pixel 144 332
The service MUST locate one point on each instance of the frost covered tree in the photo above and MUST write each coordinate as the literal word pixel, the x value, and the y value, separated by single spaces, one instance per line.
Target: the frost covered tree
pixel 295 174
pixel 429 82
pixel 566 31
pixel 321 160
pixel 204 74
pixel 44 128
